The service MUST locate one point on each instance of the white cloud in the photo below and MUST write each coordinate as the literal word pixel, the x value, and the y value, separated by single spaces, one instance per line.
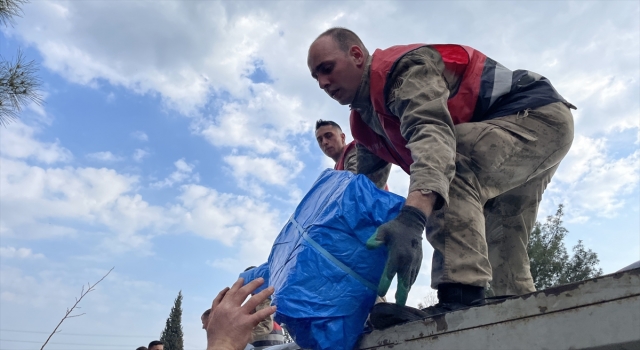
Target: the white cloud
pixel 104 157
pixel 585 154
pixel 19 253
pixel 21 288
pixel 600 88
pixel 38 109
pixel 221 44
pixel 261 123
pixel 17 141
pixel 220 47
pixel 50 201
pixel 105 204
pixel 600 96
pixel 33 195
pixel 224 216
pixel 226 264
pixel 183 172
pixel 216 47
pixel 603 186
pixel 398 181
pixel 592 182
pixel 182 166
pixel 140 135
pixel 139 154
pixel 326 162
pixel 45 202
pixel 267 170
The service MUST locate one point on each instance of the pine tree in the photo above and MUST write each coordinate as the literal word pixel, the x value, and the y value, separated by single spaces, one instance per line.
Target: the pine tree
pixel 172 335
pixel 19 83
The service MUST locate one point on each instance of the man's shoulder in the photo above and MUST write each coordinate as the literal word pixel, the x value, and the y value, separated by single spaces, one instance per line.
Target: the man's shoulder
pixel 350 147
pixel 350 159
pixel 398 50
pixel 402 52
pixel 413 66
pixel 422 55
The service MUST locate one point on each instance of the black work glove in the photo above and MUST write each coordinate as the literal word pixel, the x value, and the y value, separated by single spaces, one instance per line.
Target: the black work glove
pixel 403 238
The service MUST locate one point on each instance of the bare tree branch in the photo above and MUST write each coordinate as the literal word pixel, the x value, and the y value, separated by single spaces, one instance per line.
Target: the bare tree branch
pixel 430 299
pixel 91 287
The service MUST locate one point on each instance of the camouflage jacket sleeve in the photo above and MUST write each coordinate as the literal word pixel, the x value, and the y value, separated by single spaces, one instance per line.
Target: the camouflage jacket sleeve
pixel 351 161
pixel 375 168
pixel 418 96
pixel 265 326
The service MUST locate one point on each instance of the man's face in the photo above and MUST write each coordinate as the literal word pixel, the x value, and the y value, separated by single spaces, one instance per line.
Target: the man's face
pixel 331 140
pixel 157 347
pixel 338 73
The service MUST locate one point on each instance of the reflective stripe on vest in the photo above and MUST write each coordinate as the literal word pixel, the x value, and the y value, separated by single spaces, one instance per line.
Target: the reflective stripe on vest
pixel 276 337
pixel 267 341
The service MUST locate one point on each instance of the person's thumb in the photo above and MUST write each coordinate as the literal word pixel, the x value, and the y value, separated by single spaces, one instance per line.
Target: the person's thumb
pixel 374 242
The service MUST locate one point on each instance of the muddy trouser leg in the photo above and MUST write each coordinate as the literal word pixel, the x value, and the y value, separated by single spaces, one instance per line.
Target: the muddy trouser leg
pixel 509 219
pixel 493 157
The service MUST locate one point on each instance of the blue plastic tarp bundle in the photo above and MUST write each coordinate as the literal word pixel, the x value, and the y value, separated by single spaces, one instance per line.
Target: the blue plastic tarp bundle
pixel 325 279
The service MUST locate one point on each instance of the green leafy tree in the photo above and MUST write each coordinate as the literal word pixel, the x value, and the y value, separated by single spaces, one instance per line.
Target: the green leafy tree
pixel 583 265
pixel 172 336
pixel 551 265
pixel 19 83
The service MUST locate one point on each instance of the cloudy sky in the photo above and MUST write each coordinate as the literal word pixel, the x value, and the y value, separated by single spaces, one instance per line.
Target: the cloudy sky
pixel 176 138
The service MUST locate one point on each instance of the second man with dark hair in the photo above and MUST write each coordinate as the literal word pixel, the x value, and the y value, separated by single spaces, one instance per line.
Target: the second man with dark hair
pixel 156 345
pixel 332 142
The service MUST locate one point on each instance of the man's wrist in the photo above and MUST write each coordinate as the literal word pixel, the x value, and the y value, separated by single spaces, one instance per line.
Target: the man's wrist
pixel 220 345
pixel 424 200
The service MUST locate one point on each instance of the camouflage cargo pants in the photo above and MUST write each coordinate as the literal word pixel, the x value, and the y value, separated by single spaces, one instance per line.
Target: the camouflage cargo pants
pixel 503 166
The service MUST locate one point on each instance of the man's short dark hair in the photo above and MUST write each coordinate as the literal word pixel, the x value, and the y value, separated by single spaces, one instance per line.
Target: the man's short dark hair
pixel 154 343
pixel 142 348
pixel 345 38
pixel 206 313
pixel 321 123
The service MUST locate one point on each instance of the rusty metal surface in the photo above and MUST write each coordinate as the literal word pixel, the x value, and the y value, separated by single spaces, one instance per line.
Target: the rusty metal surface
pixel 600 313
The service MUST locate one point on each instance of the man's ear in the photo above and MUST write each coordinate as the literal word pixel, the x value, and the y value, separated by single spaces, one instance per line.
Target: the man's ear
pixel 356 53
pixel 343 137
